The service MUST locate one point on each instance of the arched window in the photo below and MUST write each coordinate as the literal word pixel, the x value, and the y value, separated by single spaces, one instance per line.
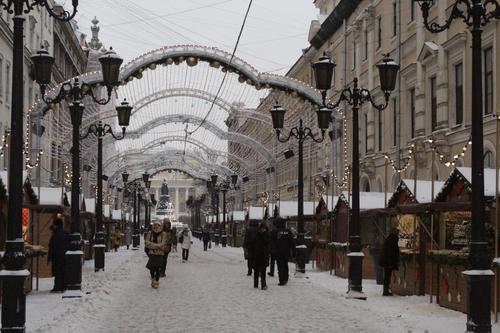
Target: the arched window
pixel 366 186
pixel 489 160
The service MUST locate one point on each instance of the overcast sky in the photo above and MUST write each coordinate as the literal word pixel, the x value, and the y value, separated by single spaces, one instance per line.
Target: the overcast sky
pixel 275 32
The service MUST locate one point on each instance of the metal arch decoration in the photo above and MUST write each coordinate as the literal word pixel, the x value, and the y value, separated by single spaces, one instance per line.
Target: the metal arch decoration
pixel 187 92
pixel 223 135
pixel 163 140
pixel 218 58
pixel 172 162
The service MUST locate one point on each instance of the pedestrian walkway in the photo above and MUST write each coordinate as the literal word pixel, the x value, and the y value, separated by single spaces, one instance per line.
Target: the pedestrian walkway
pixel 211 293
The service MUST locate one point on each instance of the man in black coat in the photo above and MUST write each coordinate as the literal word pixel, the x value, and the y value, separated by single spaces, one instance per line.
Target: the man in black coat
pixel 272 249
pixel 57 250
pixel 205 236
pixel 260 256
pixel 389 259
pixel 284 245
pixel 249 245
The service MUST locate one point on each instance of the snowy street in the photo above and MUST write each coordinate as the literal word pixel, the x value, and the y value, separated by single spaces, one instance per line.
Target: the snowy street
pixel 212 293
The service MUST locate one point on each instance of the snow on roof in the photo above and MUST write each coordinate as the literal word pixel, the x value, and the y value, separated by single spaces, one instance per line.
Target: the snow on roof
pixel 489 179
pixel 424 188
pixel 256 213
pixel 238 215
pixel 290 208
pixel 5 177
pixel 329 202
pixel 116 214
pixel 68 194
pixel 49 195
pixel 90 205
pixel 369 200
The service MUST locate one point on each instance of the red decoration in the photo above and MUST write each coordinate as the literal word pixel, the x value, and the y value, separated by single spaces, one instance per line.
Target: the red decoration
pixel 458 188
pixel 394 276
pixel 444 284
pixel 404 197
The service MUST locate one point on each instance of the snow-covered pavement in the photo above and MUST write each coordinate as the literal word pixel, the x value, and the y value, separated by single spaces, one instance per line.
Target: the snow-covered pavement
pixel 212 293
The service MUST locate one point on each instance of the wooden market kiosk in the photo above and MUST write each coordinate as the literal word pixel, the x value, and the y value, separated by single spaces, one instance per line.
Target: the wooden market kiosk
pixel 410 214
pixel 236 228
pixel 371 220
pixel 452 234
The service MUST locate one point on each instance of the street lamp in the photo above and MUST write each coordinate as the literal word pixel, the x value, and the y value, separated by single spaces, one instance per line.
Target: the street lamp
pixel 73 93
pixel 14 274
pixel 223 187
pixel 475 14
pixel 100 130
pixel 355 96
pixel 300 133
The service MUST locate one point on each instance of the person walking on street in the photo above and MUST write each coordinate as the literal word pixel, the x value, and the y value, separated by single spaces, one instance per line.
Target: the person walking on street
pixel 284 245
pixel 205 236
pixel 116 238
pixel 155 241
pixel 261 256
pixel 128 236
pixel 272 249
pixel 389 259
pixel 57 251
pixel 186 243
pixel 249 244
pixel 168 245
pixel 173 232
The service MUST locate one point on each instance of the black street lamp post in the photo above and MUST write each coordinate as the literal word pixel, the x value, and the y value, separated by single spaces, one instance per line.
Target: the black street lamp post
pixel 475 14
pixel 216 189
pixel 14 274
pixel 100 130
pixel 355 96
pixel 300 133
pixel 134 188
pixel 73 93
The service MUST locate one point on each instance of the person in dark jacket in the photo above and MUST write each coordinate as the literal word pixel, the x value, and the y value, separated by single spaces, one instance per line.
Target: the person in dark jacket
pixel 205 236
pixel 389 259
pixel 261 256
pixel 272 251
pixel 57 250
pixel 284 245
pixel 249 244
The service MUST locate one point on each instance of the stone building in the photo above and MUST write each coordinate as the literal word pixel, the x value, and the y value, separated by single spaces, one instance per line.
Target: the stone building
pixel 432 98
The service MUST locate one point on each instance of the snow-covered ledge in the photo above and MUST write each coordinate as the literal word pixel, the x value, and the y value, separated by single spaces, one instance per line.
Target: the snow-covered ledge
pixel 355 254
pixel 479 272
pixel 23 272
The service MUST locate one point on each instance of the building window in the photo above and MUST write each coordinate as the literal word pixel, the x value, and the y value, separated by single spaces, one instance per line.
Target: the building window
pixel 394 19
pixel 379 32
pixel 366 133
pixel 7 83
pixel 488 81
pixel 489 160
pixel 354 55
pixel 394 123
pixel 366 45
pixel 459 94
pixel 433 104
pixel 412 111
pixel 1 76
pixel 380 130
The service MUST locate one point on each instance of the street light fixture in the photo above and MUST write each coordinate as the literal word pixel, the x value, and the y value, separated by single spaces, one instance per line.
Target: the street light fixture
pixel 301 133
pixel 13 274
pixel 475 14
pixel 74 93
pixel 100 130
pixel 355 96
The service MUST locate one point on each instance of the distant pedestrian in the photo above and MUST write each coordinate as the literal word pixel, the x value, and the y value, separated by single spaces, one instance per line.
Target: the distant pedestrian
pixel 116 238
pixel 205 236
pixel 186 243
pixel 261 256
pixel 272 252
pixel 284 246
pixel 128 236
pixel 249 244
pixel 174 239
pixel 57 251
pixel 168 245
pixel 389 259
pixel 155 242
